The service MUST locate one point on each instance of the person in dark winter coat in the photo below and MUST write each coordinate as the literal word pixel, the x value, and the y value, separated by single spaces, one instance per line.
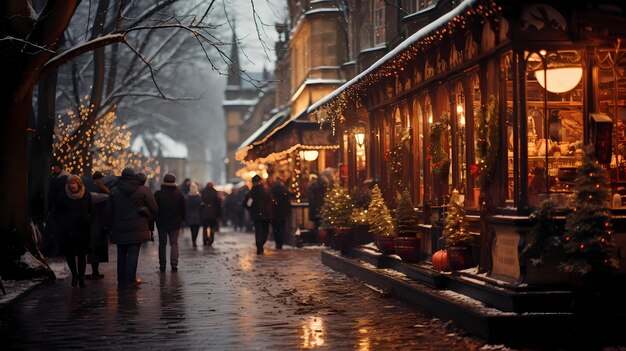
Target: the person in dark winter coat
pixel 193 217
pixel 58 180
pixel 172 210
pixel 316 193
pixel 211 213
pixel 130 208
pixel 259 203
pixel 281 209
pixel 99 244
pixel 73 212
pixel 185 186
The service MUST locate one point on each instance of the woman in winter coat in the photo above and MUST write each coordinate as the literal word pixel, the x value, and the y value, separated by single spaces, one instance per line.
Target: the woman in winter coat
pixel 259 203
pixel 130 209
pixel 194 219
pixel 211 213
pixel 73 212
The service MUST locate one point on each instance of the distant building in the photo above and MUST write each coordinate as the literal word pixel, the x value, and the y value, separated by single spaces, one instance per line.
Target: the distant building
pixel 249 97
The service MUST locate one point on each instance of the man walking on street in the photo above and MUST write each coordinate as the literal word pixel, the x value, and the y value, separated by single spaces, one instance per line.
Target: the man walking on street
pixel 281 208
pixel 258 202
pixel 172 210
pixel 130 208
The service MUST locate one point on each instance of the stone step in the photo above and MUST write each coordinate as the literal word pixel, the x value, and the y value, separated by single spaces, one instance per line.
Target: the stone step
pixel 490 323
pixel 502 296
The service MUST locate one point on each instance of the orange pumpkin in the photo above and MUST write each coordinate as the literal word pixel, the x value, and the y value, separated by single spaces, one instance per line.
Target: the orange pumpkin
pixel 440 261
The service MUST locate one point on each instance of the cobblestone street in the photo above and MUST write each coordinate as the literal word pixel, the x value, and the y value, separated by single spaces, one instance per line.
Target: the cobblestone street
pixel 225 297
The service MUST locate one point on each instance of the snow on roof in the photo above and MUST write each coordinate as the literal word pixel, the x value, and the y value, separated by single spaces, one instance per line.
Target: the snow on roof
pixel 168 146
pixel 413 39
pixel 240 102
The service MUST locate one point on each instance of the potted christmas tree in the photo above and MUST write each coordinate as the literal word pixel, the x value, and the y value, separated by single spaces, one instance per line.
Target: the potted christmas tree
pixel 588 240
pixel 407 244
pixel 361 198
pixel 336 213
pixel 457 238
pixel 381 223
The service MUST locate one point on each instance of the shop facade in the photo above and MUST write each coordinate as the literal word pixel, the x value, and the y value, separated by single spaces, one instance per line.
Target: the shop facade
pixel 552 76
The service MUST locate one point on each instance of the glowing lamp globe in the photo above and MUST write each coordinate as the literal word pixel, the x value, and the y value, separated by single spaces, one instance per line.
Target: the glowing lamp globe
pixel 309 155
pixel 560 79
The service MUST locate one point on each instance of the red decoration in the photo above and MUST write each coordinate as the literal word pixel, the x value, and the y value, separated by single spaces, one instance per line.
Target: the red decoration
pixel 440 261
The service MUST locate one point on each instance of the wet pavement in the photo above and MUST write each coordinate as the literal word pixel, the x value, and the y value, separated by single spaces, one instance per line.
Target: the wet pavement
pixel 226 297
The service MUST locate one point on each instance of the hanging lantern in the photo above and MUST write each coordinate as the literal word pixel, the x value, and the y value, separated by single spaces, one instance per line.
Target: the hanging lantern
pixel 559 79
pixel 309 155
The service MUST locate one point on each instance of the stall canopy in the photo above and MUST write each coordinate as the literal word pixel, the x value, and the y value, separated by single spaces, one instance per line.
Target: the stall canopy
pixel 281 135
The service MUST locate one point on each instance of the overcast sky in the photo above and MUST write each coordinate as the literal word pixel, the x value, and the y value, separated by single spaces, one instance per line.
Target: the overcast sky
pixel 269 13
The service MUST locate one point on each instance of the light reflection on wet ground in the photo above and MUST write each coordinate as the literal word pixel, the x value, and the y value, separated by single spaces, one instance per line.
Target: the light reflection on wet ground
pixel 225 298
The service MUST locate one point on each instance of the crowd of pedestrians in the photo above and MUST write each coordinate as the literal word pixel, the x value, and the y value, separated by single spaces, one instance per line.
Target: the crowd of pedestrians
pixel 86 214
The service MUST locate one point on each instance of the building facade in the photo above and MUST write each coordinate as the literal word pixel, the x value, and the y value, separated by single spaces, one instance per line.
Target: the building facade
pixel 551 75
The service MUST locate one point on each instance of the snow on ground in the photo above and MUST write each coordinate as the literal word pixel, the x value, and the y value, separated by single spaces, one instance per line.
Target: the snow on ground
pixel 16 288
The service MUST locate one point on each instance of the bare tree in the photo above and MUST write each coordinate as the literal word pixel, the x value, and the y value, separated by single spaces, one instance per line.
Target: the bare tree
pixel 29 50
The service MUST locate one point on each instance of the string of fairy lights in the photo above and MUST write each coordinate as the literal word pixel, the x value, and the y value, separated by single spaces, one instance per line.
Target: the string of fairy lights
pixel 104 146
pixel 333 110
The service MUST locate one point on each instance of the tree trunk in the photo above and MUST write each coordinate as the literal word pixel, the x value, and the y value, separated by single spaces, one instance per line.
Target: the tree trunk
pixel 40 152
pixel 16 239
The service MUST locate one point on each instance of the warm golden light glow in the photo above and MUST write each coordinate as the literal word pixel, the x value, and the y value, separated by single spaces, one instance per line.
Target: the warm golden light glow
pixel 360 139
pixel 313 333
pixel 309 155
pixel 560 79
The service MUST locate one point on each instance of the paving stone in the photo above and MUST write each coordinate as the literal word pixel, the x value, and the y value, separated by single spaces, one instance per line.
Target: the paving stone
pixel 225 297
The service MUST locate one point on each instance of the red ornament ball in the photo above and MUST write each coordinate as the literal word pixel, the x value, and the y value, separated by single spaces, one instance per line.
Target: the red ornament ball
pixel 440 261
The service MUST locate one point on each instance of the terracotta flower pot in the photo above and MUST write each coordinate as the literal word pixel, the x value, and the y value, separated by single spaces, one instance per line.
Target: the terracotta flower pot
pixel 385 244
pixel 460 257
pixel 408 248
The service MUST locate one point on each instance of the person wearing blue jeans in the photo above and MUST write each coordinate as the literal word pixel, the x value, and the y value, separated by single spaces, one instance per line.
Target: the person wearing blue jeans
pixel 127 260
pixel 130 209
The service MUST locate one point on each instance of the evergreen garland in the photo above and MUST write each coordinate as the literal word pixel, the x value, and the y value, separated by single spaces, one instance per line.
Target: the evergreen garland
pixel 406 220
pixel 439 159
pixel 337 208
pixel 379 218
pixel 394 156
pixel 588 242
pixel 545 234
pixel 455 224
pixel 488 139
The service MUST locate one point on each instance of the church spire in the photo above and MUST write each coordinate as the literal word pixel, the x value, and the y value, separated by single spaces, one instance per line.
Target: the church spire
pixel 234 68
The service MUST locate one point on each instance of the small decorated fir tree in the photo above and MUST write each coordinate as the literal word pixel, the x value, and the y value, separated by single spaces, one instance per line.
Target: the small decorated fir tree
pixel 379 218
pixel 588 242
pixel 455 225
pixel 406 221
pixel 337 207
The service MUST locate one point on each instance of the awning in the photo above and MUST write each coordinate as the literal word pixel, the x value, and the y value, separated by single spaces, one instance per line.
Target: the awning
pixel 261 134
pixel 426 35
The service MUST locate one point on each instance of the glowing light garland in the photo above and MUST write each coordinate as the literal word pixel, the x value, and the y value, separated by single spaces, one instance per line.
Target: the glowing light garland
pixel 106 143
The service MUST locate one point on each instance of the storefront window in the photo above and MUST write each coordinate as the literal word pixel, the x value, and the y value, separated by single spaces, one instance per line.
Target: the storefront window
pixel 474 195
pixel 428 114
pixel 507 83
pixel 460 155
pixel 612 101
pixel 417 128
pixel 554 105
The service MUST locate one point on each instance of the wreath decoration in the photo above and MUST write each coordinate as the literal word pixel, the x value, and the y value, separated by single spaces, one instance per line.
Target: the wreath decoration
pixel 439 159
pixel 487 142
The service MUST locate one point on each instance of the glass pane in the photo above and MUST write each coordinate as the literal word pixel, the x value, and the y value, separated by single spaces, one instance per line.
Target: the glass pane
pixel 555 123
pixel 418 150
pixel 460 140
pixel 612 101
